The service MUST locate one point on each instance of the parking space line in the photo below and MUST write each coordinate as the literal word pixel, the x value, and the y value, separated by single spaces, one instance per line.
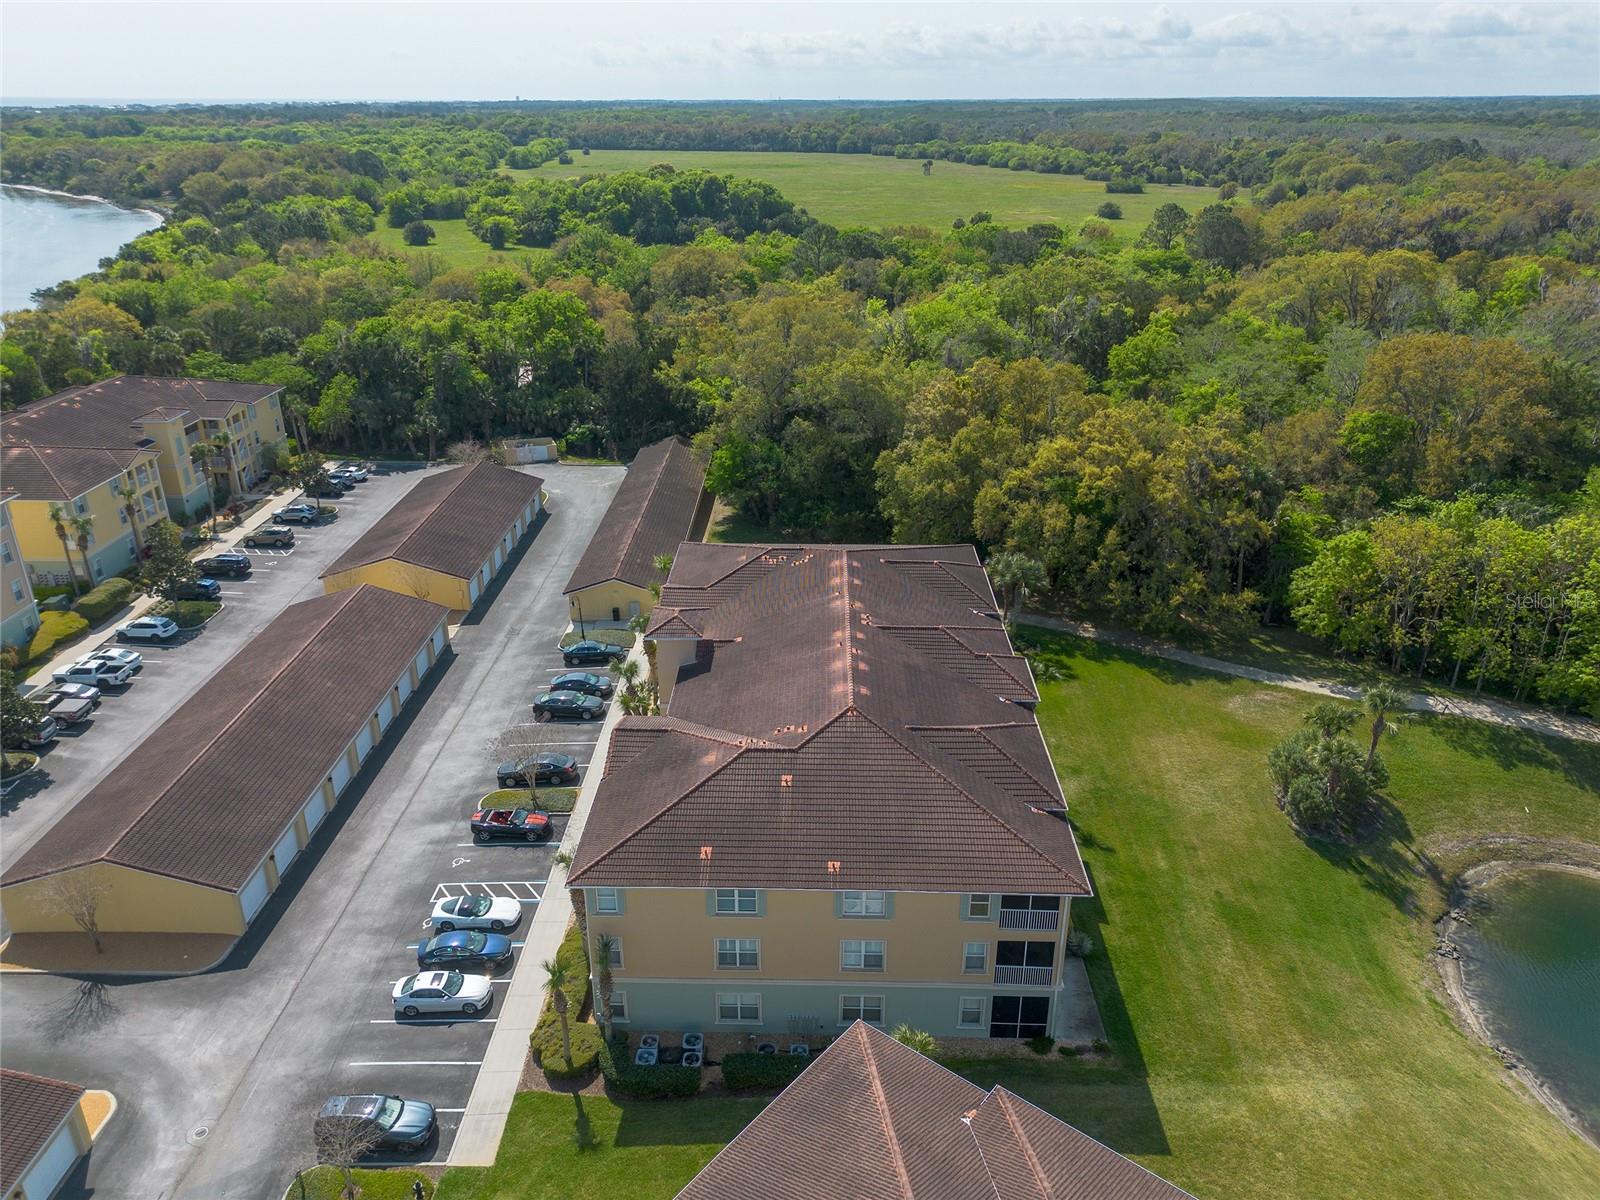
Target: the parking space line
pixel 461 1020
pixel 525 890
pixel 422 1062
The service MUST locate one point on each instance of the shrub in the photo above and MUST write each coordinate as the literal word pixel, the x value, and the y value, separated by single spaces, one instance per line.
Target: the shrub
pixel 645 1083
pixel 1110 210
pixel 545 1042
pixel 1041 1044
pixel 1068 1051
pixel 417 233
pixel 54 629
pixel 100 602
pixel 1100 1046
pixel 761 1070
pixel 1079 944
pixel 188 614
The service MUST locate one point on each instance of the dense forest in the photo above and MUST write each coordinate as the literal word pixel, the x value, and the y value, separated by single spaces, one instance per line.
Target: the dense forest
pixel 1360 393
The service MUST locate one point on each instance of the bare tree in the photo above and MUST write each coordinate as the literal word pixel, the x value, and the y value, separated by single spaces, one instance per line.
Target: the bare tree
pixel 341 1142
pixel 522 744
pixel 78 894
pixel 412 580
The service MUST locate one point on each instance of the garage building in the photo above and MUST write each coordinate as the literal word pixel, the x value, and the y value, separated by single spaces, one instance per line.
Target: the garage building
pixel 195 828
pixel 661 503
pixel 43 1133
pixel 447 538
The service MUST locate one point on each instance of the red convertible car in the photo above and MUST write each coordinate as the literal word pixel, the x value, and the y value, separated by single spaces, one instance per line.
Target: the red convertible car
pixel 523 824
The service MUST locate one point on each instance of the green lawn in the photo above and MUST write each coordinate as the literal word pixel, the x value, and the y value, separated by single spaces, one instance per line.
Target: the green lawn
pixel 325 1183
pixel 864 189
pixel 575 1147
pixel 733 525
pixel 454 242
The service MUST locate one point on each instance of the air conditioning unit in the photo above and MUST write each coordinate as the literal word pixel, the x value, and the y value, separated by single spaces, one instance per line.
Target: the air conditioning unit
pixel 645 1056
pixel 694 1041
pixel 693 1058
pixel 650 1041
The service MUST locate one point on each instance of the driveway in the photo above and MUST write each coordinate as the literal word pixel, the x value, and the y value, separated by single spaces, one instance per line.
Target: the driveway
pixel 218 1075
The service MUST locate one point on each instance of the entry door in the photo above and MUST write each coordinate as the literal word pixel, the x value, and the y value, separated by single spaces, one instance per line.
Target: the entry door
pixel 1019 1016
pixel 254 895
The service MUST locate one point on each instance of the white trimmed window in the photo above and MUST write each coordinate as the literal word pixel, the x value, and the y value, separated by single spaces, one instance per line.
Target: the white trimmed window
pixel 861 955
pixel 975 958
pixel 738 902
pixel 865 904
pixel 738 954
pixel 608 900
pixel 739 1007
pixel 971 1013
pixel 616 952
pixel 861 1008
pixel 619 1006
pixel 978 907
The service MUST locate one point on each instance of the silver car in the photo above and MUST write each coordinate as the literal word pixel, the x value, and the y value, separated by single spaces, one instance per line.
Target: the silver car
pixel 442 991
pixel 476 912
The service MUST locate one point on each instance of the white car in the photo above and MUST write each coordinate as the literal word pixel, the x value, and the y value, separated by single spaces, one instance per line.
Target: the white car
pixel 476 912
pixel 350 471
pixel 97 672
pixel 131 659
pixel 442 991
pixel 148 629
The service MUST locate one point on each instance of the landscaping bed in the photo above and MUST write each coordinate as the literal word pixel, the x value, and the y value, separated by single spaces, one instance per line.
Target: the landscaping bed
pixel 187 614
pixel 551 800
pixel 17 763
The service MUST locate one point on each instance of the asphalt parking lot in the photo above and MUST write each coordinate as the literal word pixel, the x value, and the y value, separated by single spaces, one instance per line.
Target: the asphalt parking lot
pixel 218 1075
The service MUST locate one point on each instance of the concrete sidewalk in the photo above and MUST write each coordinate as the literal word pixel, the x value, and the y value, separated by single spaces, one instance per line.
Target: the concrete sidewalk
pixel 484 1123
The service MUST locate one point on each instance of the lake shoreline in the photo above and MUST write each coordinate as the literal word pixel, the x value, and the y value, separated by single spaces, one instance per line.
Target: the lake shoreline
pixel 1572 858
pixel 44 191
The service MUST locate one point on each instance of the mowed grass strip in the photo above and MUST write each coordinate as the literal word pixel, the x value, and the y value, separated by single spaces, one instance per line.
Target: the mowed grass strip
pixel 865 189
pixel 455 243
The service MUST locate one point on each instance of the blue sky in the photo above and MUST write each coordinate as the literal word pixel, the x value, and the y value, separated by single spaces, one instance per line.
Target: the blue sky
pixel 223 49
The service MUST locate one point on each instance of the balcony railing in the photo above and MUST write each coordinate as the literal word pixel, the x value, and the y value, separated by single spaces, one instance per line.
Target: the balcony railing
pixel 1023 976
pixel 1029 918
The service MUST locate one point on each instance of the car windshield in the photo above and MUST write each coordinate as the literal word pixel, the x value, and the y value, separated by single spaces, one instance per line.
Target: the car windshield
pixel 389 1111
pixel 452 983
pixel 407 986
pixel 472 906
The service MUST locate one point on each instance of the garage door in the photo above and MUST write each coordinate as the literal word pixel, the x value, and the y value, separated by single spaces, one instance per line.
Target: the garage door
pixel 283 853
pixel 340 774
pixel 499 557
pixel 472 590
pixel 438 641
pixel 385 712
pixel 421 663
pixel 316 808
pixel 405 686
pixel 254 895
pixel 55 1160
pixel 364 743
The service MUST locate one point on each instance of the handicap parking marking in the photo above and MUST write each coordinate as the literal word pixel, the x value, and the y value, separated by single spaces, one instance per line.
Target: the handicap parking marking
pixel 524 891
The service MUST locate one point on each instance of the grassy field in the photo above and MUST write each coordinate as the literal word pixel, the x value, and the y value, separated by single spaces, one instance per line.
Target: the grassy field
pixel 864 189
pixel 454 243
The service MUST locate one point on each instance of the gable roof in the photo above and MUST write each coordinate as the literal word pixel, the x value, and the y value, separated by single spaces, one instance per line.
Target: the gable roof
pixel 106 414
pixel 449 522
pixel 656 508
pixel 63 472
pixel 898 1126
pixel 205 797
pixel 872 727
pixel 34 1109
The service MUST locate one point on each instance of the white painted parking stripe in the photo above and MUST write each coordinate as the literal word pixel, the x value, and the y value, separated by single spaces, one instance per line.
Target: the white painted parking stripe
pixel 525 890
pixel 422 1062
pixel 432 1020
pixel 450 1110
pixel 232 593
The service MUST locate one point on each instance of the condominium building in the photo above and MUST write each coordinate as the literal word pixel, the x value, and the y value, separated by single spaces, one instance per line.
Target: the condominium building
pixel 19 614
pixel 846 813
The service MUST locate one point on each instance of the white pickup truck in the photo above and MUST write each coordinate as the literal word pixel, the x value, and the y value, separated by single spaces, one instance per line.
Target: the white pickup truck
pixel 99 672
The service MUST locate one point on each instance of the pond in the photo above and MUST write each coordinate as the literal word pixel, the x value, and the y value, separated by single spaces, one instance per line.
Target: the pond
pixel 46 237
pixel 1531 963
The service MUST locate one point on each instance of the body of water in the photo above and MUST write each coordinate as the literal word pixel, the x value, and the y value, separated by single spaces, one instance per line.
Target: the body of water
pixel 1532 966
pixel 46 237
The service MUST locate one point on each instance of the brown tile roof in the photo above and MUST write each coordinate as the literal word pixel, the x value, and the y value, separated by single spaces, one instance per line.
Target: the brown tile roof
pixel 206 795
pixel 31 1110
pixel 853 716
pixel 449 522
pixel 62 472
pixel 658 506
pixel 105 413
pixel 871 1119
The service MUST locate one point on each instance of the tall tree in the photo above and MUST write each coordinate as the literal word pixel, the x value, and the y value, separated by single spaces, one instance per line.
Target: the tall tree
pixel 59 517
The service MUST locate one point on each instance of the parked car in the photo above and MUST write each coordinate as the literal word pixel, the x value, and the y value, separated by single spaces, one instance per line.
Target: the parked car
pixel 405 1125
pixel 573 706
pixel 547 768
pixel 588 651
pixel 356 471
pixel 77 691
pixel 476 912
pixel 269 535
pixel 327 489
pixel 131 659
pixel 442 991
pixel 46 733
pixel 147 629
pixel 522 824
pixel 302 514
pixel 204 588
pixel 98 672
pixel 229 564
pixel 65 710
pixel 464 948
pixel 586 682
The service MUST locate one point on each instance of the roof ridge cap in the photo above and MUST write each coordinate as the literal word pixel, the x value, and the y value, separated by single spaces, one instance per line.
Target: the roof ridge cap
pixel 843 560
pixel 881 1101
pixel 655 482
pixel 999 1096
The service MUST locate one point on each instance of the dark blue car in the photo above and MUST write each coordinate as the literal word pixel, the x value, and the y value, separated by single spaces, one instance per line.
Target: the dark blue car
pixel 588 651
pixel 464 948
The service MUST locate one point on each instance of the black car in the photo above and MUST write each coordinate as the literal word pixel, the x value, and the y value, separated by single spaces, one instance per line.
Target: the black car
pixel 521 824
pixel 204 588
pixel 572 705
pixel 591 652
pixel 327 489
pixel 226 564
pixel 586 682
pixel 464 948
pixel 550 768
pixel 377 1120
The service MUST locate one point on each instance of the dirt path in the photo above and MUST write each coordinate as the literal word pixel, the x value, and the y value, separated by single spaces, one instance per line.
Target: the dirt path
pixel 1497 712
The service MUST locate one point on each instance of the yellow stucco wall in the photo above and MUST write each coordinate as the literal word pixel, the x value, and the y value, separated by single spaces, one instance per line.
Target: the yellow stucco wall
pixel 134 902
pixel 19 614
pixel 36 534
pixel 669 934
pixel 406 579
pixel 598 601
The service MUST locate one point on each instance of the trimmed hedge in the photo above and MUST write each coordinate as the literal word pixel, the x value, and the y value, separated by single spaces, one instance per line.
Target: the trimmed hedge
pixel 761 1070
pixel 545 1042
pixel 100 602
pixel 54 629
pixel 645 1083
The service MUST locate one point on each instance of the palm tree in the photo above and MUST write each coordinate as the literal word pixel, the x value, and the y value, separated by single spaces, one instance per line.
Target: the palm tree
pixel 1379 701
pixel 58 518
pixel 919 1040
pixel 222 444
pixel 1015 575
pixel 605 945
pixel 131 507
pixel 1330 720
pixel 628 670
pixel 663 563
pixel 200 455
pixel 580 907
pixel 82 531
pixel 556 979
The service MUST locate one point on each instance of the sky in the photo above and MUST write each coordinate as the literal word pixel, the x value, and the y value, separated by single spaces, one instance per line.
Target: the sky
pixel 248 50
